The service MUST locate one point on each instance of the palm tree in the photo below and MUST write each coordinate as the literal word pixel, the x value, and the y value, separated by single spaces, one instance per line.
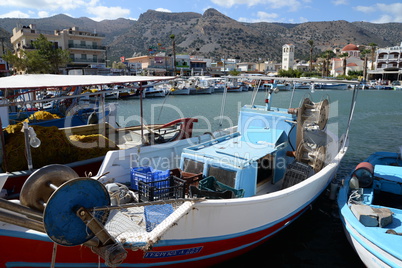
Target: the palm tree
pixel 311 44
pixel 364 53
pixel 373 48
pixel 172 36
pixel 327 55
pixel 344 56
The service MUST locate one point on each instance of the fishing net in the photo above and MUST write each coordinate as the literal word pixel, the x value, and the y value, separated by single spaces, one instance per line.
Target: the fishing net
pixel 56 147
pixel 140 225
pixel 41 116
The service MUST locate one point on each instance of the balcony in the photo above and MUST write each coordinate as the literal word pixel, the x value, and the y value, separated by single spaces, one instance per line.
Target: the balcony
pixel 88 47
pixel 77 33
pixel 79 60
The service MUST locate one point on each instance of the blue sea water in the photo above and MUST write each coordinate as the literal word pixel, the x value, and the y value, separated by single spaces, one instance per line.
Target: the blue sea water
pixel 316 239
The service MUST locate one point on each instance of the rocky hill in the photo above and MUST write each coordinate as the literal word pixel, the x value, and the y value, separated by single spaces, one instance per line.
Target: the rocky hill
pixel 215 35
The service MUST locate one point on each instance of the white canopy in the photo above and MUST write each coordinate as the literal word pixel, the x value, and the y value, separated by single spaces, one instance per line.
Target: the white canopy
pixel 53 80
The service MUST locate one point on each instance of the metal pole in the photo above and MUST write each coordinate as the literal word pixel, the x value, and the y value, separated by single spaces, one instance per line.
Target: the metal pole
pixel 21 221
pixel 27 146
pixel 352 110
pixel 5 204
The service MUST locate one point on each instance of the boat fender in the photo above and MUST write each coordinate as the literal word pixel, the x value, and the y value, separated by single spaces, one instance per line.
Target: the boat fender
pixel 93 118
pixel 364 173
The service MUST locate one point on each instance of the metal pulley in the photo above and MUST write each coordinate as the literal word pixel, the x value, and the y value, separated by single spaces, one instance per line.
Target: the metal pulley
pixel 314 114
pixel 66 201
pixel 41 184
pixel 312 155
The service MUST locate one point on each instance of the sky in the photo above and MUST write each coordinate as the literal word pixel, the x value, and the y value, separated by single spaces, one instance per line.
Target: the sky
pixel 284 11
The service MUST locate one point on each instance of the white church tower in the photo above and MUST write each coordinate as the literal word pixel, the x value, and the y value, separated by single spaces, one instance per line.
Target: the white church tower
pixel 288 56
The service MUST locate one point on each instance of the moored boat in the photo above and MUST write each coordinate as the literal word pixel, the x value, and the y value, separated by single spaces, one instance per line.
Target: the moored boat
pixel 331 86
pixel 369 202
pixel 240 189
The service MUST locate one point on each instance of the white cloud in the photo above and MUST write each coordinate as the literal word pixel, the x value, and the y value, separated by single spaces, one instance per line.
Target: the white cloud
pixel 14 14
pixel 43 14
pixel 292 4
pixel 365 9
pixel 102 12
pixel 44 4
pixel 340 2
pixel 303 19
pixel 163 10
pixel 264 16
pixel 386 12
pixel 261 17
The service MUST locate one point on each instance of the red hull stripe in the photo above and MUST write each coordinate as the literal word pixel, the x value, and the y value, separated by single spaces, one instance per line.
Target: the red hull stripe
pixel 199 254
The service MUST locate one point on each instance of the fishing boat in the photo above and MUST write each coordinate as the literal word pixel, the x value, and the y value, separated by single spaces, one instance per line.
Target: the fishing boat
pixel 224 197
pixel 84 157
pixel 32 104
pixel 369 202
pixel 331 86
pixel 232 84
pixel 199 85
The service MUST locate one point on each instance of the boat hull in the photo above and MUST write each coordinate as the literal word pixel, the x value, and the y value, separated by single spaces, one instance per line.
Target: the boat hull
pixel 212 232
pixel 373 244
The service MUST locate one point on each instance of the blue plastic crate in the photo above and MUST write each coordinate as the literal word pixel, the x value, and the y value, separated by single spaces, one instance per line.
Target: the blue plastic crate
pixel 148 174
pixel 155 214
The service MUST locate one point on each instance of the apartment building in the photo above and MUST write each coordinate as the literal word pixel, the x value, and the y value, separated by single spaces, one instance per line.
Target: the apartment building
pixel 389 57
pixel 388 64
pixel 86 49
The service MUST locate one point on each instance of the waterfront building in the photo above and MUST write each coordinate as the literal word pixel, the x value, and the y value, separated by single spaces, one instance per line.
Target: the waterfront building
pixel 86 49
pixel 389 57
pixel 3 68
pixel 388 64
pixel 154 64
pixel 353 61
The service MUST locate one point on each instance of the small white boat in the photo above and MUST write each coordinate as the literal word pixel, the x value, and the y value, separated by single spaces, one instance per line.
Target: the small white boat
pixel 370 207
pixel 154 92
pixel 179 88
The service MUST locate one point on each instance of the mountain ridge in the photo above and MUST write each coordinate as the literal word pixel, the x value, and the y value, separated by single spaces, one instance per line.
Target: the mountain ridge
pixel 215 35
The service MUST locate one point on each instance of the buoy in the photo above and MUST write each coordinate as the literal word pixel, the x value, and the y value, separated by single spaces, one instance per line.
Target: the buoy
pixel 364 173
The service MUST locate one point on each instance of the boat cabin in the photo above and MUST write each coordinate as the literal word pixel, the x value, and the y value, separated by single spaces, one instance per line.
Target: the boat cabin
pixel 249 158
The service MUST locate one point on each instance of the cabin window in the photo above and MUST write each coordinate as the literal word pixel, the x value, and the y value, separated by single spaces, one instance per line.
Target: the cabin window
pixel 224 176
pixel 193 166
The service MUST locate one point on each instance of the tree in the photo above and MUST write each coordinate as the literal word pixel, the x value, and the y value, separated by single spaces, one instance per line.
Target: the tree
pixel 311 44
pixel 344 56
pixel 373 48
pixel 364 54
pixel 46 52
pixel 45 58
pixel 19 62
pixel 327 55
pixel 172 36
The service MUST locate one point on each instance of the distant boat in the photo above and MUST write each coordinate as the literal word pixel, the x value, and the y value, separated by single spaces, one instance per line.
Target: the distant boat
pixel 370 205
pixel 154 92
pixel 331 86
pixel 179 87
pixel 302 85
pixel 199 85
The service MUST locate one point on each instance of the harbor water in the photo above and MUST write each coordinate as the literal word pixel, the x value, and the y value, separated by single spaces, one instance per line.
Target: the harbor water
pixel 316 239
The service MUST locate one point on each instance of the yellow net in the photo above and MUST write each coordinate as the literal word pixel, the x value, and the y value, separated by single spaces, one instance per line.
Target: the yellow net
pixel 55 148
pixel 41 115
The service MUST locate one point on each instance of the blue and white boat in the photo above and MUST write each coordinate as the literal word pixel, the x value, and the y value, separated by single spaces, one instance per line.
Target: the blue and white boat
pixel 370 204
